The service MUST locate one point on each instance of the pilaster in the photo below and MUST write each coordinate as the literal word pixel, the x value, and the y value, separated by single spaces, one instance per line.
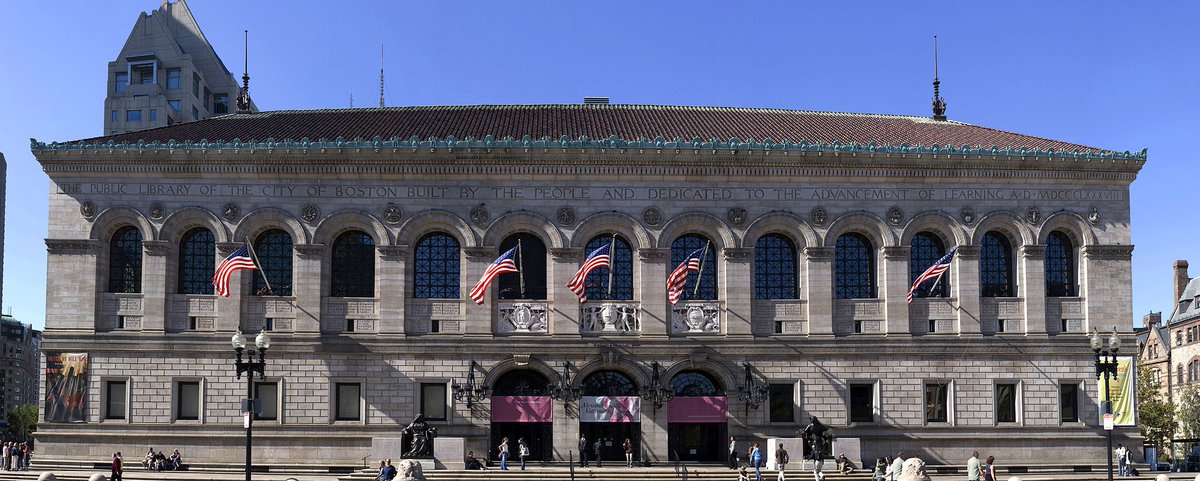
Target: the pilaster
pixel 478 317
pixel 652 279
pixel 307 278
pixel 737 281
pixel 1033 287
pixel 895 291
pixel 392 289
pixel 71 284
pixel 1107 290
pixel 229 310
pixel 564 305
pixel 154 285
pixel 965 284
pixel 819 268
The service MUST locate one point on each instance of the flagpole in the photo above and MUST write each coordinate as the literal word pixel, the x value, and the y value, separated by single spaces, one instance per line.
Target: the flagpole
pixel 258 267
pixel 612 262
pixel 521 268
pixel 700 273
pixel 939 277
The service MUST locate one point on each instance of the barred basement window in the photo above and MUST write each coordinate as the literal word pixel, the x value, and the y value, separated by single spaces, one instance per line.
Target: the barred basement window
pixel 680 249
pixel 996 266
pixel 927 249
pixel 274 251
pixel 622 275
pixel 197 259
pixel 854 267
pixel 1060 265
pixel 436 267
pixel 775 268
pixel 531 260
pixel 125 261
pixel 352 270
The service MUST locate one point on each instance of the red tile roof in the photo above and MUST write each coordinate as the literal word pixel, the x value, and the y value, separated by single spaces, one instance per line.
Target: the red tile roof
pixel 627 122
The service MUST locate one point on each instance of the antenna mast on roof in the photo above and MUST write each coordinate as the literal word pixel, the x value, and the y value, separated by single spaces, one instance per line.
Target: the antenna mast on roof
pixel 939 104
pixel 381 104
pixel 243 99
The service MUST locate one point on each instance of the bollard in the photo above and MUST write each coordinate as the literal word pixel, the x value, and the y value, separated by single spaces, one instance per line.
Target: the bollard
pixel 47 476
pixel 1162 477
pixel 97 477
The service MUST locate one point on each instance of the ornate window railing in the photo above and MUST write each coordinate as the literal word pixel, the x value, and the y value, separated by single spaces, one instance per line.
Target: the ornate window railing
pixel 1066 315
pixel 696 317
pixel 610 317
pixel 271 313
pixel 522 317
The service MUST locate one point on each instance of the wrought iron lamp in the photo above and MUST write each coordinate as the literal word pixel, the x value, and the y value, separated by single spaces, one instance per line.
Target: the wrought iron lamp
pixel 1106 367
pixel 563 390
pixel 752 392
pixel 471 392
pixel 250 367
pixel 656 392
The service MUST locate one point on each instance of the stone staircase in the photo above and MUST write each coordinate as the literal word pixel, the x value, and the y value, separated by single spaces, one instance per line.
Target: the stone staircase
pixel 616 473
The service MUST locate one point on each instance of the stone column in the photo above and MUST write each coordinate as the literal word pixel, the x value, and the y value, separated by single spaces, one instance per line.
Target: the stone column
pixel 229 310
pixel 652 291
pixel 307 280
pixel 819 285
pixel 478 317
pixel 71 291
pixel 895 291
pixel 737 283
pixel 154 285
pixel 654 444
pixel 966 290
pixel 1108 292
pixel 564 305
pixel 392 288
pixel 1033 287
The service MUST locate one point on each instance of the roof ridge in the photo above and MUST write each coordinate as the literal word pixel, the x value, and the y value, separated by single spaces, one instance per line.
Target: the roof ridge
pixel 599 107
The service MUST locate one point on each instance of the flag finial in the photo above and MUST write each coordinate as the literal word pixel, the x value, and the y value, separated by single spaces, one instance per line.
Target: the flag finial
pixel 939 103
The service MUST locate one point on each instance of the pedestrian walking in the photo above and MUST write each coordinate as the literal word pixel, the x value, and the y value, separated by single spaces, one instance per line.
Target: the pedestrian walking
pixel 897 465
pixel 756 459
pixel 379 474
pixel 503 454
pixel 597 449
pixel 781 460
pixel 733 464
pixel 889 474
pixel 522 451
pixel 628 453
pixel 4 460
pixel 974 469
pixel 117 469
pixel 818 459
pixel 583 451
pixel 881 470
pixel 989 470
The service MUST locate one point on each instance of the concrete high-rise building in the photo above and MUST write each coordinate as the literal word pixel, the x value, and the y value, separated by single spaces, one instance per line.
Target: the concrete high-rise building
pixel 167 73
pixel 19 344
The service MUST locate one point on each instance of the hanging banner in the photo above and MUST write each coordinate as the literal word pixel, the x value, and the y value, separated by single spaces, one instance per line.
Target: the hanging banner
pixel 66 388
pixel 1121 391
pixel 522 409
pixel 705 409
pixel 610 409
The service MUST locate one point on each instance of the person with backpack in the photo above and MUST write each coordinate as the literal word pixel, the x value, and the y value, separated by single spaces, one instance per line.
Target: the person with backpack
pixel 781 460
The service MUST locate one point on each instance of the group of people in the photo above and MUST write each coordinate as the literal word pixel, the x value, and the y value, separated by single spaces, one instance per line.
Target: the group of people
pixel 1124 457
pixel 596 450
pixel 522 452
pixel 16 456
pixel 387 472
pixel 981 471
pixel 755 456
pixel 157 461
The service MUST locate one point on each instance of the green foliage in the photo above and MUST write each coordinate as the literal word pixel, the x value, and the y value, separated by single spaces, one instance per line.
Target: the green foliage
pixel 1155 412
pixel 1188 412
pixel 22 422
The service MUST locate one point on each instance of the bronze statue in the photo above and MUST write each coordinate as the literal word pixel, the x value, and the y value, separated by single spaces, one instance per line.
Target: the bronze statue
pixel 818 437
pixel 418 435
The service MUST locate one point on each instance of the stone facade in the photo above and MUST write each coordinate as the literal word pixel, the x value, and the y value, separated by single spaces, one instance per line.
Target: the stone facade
pixel 157 340
pixel 1182 334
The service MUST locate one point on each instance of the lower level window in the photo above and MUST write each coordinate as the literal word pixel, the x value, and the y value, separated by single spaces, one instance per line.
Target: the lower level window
pixel 114 406
pixel 937 402
pixel 433 401
pixel 267 395
pixel 862 403
pixel 187 404
pixel 1068 405
pixel 1006 403
pixel 347 400
pixel 783 403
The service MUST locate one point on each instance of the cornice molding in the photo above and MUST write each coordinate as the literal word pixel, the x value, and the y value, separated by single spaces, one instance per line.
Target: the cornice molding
pixel 566 252
pixel 72 246
pixel 654 254
pixel 897 252
pixel 820 254
pixel 739 254
pixel 969 252
pixel 1033 251
pixel 156 247
pixel 1108 252
pixel 309 250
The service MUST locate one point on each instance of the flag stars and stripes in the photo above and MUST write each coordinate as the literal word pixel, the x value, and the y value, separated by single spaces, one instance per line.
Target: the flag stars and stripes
pixel 502 264
pixel 601 257
pixel 238 260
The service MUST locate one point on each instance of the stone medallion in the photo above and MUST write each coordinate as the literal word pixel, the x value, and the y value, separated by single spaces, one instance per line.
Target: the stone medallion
pixel 1033 215
pixel 818 216
pixel 736 216
pixel 479 215
pixel 895 216
pixel 157 211
pixel 1094 215
pixel 230 211
pixel 87 209
pixel 652 216
pixel 310 213
pixel 565 216
pixel 392 214
pixel 967 214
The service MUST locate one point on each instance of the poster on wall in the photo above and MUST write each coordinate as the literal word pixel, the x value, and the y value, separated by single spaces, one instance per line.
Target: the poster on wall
pixel 610 409
pixel 1121 390
pixel 66 388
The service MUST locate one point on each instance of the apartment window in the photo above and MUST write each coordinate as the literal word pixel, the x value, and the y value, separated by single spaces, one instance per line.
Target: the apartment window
pixel 937 402
pixel 195 113
pixel 347 397
pixel 153 115
pixel 220 104
pixel 1068 403
pixel 267 394
pixel 133 115
pixel 122 81
pixel 114 400
pixel 1006 403
pixel 113 117
pixel 196 85
pixel 144 73
pixel 187 401
pixel 174 104
pixel 207 99
pixel 173 78
pixel 783 403
pixel 862 403
pixel 1179 337
pixel 433 401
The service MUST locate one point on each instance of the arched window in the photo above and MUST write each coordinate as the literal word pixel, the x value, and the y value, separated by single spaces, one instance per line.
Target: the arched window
pixel 684 246
pixel 352 272
pixel 927 249
pixel 531 261
pixel 854 267
pixel 436 267
pixel 622 273
pixel 695 384
pixel 274 251
pixel 125 261
pixel 608 383
pixel 197 259
pixel 1060 265
pixel 996 266
pixel 520 382
pixel 775 268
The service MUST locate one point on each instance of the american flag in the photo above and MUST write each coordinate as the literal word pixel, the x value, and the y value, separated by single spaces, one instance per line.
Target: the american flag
pixel 678 278
pixel 239 260
pixel 597 259
pixel 501 265
pixel 933 272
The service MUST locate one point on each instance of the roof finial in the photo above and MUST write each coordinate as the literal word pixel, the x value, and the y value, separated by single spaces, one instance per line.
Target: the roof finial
pixel 939 104
pixel 381 104
pixel 243 99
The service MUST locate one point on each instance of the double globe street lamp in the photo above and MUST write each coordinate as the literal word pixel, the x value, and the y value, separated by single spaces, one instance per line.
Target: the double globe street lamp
pixel 1106 367
pixel 250 366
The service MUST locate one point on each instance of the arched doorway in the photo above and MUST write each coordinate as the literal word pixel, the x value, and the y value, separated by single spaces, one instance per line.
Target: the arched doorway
pixel 610 412
pixel 696 417
pixel 522 410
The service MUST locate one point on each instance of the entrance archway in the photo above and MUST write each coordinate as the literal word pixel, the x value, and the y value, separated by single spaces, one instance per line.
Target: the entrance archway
pixel 610 412
pixel 522 410
pixel 696 417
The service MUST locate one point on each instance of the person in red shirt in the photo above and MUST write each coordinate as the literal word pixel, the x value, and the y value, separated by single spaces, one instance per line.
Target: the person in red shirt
pixel 117 469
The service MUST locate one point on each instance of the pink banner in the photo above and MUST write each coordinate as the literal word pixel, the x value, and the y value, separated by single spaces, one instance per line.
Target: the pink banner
pixel 522 409
pixel 696 410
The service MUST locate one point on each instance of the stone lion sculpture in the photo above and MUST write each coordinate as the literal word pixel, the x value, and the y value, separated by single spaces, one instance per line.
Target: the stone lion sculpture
pixel 409 470
pixel 914 470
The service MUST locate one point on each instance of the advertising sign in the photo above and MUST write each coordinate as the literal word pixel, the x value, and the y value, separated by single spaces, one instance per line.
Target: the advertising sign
pixel 1121 391
pixel 522 409
pixel 66 388
pixel 705 409
pixel 610 409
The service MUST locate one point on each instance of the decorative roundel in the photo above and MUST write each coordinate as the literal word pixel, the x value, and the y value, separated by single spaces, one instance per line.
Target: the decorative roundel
pixel 1033 215
pixel 310 213
pixel 818 216
pixel 480 215
pixel 565 216
pixel 967 214
pixel 157 211
pixel 87 209
pixel 895 216
pixel 230 211
pixel 1094 215
pixel 736 216
pixel 652 216
pixel 392 214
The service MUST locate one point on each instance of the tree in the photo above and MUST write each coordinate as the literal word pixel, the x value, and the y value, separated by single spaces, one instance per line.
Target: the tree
pixel 1188 412
pixel 1156 414
pixel 22 422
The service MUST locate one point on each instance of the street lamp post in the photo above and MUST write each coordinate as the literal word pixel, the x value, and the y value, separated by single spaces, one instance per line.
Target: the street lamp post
pixel 563 390
pixel 752 392
pixel 250 366
pixel 471 392
pixel 656 392
pixel 1106 367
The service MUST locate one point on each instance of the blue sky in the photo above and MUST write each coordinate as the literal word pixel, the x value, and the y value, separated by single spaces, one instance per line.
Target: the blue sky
pixel 1107 74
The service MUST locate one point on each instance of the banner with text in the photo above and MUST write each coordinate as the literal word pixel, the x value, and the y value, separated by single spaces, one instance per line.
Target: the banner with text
pixel 522 409
pixel 610 409
pixel 1122 392
pixel 704 409
pixel 66 388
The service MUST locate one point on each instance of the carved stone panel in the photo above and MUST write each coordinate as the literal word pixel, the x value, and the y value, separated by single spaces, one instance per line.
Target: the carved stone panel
pixel 610 317
pixel 696 318
pixel 523 318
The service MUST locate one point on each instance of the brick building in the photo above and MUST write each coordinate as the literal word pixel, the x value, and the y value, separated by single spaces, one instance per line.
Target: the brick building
pixel 19 344
pixel 1182 332
pixel 373 224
